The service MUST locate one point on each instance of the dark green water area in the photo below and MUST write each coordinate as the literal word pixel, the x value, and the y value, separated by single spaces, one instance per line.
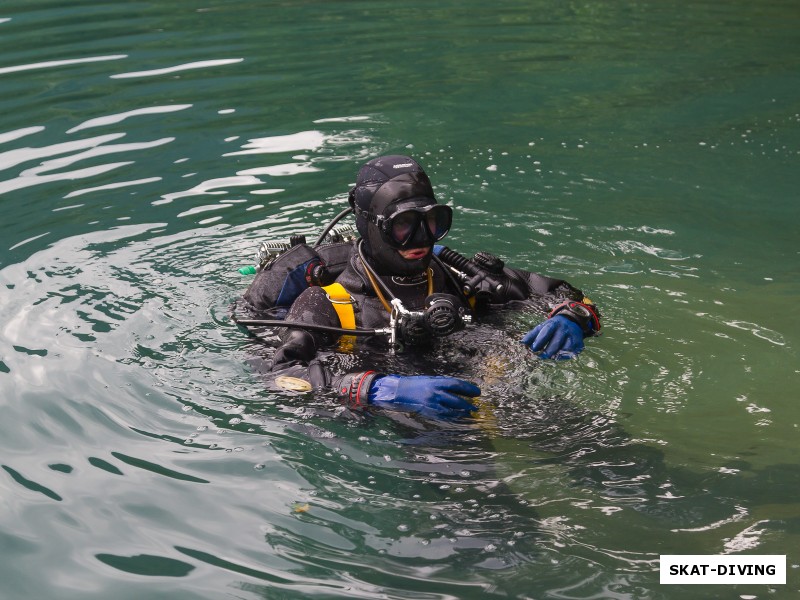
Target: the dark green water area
pixel 648 152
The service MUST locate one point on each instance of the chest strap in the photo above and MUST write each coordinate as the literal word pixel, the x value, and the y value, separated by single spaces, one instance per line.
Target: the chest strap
pixel 342 304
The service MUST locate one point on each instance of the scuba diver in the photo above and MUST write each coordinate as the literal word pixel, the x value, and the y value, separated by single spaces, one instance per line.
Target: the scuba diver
pixel 395 281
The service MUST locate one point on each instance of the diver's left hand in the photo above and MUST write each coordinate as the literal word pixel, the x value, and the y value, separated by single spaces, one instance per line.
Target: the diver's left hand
pixel 558 337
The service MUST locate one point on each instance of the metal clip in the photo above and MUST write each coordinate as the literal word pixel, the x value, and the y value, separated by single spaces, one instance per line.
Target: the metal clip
pixel 334 301
pixel 398 310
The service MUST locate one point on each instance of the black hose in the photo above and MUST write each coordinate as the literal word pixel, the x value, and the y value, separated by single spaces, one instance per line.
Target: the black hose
pixel 457 261
pixel 330 225
pixel 448 272
pixel 306 326
pixel 374 277
pixel 498 286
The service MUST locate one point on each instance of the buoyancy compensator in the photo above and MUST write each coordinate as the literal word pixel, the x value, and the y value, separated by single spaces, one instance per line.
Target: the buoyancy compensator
pixel 283 270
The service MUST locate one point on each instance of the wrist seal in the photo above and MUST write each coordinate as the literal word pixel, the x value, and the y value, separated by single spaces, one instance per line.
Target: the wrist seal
pixel 353 388
pixel 582 314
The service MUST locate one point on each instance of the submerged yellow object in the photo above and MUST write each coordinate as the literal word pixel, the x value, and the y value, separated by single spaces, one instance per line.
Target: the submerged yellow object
pixel 292 384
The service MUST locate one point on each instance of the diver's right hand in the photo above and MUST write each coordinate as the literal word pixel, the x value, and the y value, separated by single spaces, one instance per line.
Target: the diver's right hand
pixel 430 396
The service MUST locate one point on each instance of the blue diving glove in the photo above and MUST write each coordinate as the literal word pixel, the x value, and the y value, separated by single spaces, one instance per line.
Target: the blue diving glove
pixel 558 337
pixel 430 396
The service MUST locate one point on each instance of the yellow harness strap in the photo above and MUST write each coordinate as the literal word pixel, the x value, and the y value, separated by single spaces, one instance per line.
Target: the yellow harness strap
pixel 343 305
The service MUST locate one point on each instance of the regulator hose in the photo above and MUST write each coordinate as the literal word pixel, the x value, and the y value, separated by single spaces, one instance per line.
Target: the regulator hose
pixel 307 326
pixel 458 261
pixel 484 276
pixel 478 280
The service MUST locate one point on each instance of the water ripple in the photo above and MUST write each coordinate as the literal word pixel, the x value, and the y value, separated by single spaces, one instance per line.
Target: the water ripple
pixel 13 135
pixel 111 186
pixel 29 180
pixel 304 140
pixel 118 118
pixel 60 63
pixel 201 64
pixel 215 186
pixel 12 158
pixel 282 170
pixel 95 151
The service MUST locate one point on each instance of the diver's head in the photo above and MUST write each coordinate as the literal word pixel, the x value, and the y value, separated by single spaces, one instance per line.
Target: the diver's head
pixel 397 215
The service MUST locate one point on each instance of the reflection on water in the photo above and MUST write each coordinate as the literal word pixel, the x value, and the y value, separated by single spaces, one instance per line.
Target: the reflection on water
pixel 546 477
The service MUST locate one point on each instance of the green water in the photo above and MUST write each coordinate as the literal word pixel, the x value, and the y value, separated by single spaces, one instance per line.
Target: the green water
pixel 647 152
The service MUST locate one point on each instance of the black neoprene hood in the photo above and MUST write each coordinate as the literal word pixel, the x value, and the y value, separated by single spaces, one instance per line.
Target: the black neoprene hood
pixel 381 183
pixel 402 177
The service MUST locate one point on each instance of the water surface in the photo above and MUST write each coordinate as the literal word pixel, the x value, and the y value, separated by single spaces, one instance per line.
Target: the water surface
pixel 647 152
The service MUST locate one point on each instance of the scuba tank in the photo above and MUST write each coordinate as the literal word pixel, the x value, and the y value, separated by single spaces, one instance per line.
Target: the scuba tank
pixel 284 269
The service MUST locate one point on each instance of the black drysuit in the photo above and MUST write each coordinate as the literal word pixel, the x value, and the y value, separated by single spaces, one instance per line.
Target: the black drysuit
pixel 297 356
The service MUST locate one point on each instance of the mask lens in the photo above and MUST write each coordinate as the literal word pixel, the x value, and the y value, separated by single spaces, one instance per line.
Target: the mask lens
pixel 404 225
pixel 438 219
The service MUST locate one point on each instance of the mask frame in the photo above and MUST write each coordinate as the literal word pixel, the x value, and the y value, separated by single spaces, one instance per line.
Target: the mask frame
pixel 442 222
